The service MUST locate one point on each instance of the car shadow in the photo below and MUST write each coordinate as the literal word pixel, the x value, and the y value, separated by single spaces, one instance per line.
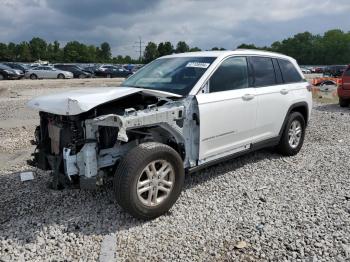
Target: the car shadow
pixel 222 168
pixel 33 205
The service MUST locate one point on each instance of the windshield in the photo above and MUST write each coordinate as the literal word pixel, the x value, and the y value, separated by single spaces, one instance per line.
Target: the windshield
pixel 175 75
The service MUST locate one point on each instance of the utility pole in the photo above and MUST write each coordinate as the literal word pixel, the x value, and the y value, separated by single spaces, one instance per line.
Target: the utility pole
pixel 140 46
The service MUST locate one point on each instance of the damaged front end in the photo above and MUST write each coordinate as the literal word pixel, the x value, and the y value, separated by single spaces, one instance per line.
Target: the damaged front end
pixel 83 149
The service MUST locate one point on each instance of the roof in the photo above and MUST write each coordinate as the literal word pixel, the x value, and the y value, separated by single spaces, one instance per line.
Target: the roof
pixel 228 53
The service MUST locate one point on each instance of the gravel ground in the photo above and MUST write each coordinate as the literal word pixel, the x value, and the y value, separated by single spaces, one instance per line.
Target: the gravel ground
pixel 254 208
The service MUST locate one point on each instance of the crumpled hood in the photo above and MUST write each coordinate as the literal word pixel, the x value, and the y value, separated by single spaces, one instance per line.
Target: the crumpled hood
pixel 78 101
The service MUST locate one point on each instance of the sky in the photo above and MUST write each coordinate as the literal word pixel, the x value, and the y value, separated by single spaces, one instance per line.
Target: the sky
pixel 202 23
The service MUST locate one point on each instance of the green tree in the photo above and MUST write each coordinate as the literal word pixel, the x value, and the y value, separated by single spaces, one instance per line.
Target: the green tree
pixel 217 48
pixel 195 49
pixel 247 46
pixel 12 51
pixel 105 53
pixel 23 50
pixel 3 52
pixel 151 52
pixel 165 48
pixel 38 48
pixel 182 47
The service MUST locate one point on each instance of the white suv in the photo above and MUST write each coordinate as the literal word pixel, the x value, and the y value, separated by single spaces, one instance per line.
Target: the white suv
pixel 178 114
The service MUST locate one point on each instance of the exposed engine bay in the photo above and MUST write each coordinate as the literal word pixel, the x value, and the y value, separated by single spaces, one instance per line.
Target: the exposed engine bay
pixel 83 149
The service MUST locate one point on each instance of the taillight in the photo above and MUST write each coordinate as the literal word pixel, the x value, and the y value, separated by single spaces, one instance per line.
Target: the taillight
pixel 340 82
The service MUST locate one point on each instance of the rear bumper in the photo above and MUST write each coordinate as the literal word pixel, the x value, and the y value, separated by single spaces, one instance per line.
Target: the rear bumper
pixel 343 93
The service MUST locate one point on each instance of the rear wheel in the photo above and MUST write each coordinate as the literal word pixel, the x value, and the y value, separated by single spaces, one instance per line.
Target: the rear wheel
pixel 344 102
pixel 293 135
pixel 33 76
pixel 60 76
pixel 149 180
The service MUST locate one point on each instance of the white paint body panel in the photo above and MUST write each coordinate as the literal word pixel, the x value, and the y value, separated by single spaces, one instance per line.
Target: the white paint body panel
pixel 227 122
pixel 79 101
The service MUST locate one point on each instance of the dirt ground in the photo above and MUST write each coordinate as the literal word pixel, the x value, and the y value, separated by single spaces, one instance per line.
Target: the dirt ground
pixel 17 122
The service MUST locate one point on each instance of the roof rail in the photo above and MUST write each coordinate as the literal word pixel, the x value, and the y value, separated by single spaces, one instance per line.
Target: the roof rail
pixel 252 49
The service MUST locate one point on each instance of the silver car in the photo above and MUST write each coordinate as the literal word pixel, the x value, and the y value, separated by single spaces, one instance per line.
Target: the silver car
pixel 42 72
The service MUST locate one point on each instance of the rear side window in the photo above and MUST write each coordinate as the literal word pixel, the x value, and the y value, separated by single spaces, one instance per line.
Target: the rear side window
pixel 264 73
pixel 289 72
pixel 231 74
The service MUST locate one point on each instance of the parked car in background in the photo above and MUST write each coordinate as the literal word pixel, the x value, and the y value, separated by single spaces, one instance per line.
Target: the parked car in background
pixel 77 71
pixel 112 71
pixel 47 72
pixel 91 69
pixel 344 88
pixel 305 70
pixel 317 70
pixel 17 66
pixel 334 71
pixel 7 72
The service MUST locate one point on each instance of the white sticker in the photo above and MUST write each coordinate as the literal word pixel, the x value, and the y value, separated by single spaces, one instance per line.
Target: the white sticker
pixel 198 64
pixel 25 176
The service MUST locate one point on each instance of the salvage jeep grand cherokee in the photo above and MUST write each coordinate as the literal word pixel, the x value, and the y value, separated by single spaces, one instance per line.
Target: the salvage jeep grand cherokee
pixel 177 114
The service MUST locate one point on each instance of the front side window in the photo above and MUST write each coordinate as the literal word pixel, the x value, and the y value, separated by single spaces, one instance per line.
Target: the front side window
pixel 232 74
pixel 264 72
pixel 289 72
pixel 174 74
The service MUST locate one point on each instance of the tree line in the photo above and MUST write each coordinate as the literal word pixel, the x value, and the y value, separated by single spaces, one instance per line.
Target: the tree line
pixel 72 52
pixel 333 47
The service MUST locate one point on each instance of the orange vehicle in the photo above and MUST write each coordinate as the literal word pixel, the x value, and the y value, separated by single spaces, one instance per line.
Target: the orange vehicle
pixel 322 81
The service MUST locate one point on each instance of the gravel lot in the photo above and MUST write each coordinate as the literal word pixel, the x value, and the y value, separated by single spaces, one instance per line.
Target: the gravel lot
pixel 254 208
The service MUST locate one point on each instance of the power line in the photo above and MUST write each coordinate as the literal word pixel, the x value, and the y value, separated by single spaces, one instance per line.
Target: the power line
pixel 140 46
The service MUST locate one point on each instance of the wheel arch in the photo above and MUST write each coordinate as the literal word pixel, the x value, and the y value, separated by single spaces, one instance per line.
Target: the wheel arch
pixel 302 108
pixel 165 134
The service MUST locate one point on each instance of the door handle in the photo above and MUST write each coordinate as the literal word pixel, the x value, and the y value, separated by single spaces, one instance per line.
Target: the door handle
pixel 284 91
pixel 248 97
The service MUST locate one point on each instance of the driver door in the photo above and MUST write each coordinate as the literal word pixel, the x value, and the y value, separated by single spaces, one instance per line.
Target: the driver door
pixel 227 111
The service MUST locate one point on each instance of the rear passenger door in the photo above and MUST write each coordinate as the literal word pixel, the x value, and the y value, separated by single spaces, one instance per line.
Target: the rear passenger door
pixel 227 111
pixel 273 96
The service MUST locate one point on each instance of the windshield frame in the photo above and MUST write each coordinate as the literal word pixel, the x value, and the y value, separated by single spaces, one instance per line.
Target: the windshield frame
pixel 189 90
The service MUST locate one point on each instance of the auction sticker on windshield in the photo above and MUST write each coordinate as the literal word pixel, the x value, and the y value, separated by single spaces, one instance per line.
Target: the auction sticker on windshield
pixel 198 64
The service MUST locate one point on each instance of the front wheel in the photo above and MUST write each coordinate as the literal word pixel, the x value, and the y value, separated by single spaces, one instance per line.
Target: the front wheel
pixel 343 102
pixel 293 135
pixel 149 180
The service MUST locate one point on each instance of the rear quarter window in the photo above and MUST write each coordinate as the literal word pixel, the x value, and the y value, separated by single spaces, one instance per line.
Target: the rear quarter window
pixel 289 73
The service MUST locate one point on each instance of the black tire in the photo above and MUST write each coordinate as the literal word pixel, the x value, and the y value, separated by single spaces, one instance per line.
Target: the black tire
pixel 130 169
pixel 344 102
pixel 60 76
pixel 2 77
pixel 33 76
pixel 284 146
